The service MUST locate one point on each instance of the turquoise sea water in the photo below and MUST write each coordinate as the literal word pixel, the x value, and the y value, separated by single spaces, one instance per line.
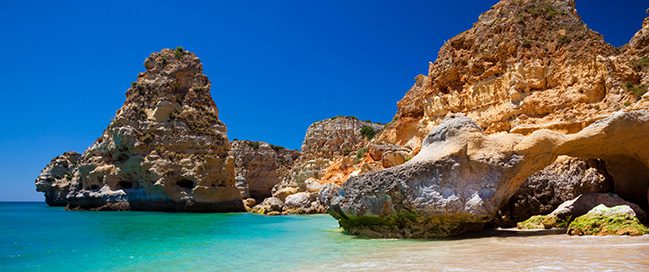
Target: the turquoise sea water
pixel 34 237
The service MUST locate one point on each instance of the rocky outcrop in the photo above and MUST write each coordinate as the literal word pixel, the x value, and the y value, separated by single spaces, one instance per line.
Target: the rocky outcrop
pixel 55 179
pixel 165 149
pixel 270 206
pixel 462 176
pixel 258 166
pixel 571 209
pixel 525 65
pixel 602 220
pixel 563 180
pixel 337 137
pixel 330 151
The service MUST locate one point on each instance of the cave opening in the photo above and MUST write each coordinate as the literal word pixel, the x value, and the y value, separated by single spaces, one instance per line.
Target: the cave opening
pixel 185 184
pixel 124 184
pixel 630 179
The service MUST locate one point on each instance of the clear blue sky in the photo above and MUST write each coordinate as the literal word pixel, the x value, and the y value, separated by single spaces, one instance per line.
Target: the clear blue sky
pixel 275 66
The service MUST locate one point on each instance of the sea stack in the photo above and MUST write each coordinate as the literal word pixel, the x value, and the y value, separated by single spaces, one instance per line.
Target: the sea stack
pixel 165 150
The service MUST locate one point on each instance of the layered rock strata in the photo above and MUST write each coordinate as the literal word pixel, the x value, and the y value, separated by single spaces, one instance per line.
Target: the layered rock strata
pixel 165 149
pixel 525 65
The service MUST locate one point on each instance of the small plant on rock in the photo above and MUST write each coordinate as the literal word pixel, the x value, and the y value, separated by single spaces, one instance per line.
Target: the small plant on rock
pixel 368 132
pixel 179 52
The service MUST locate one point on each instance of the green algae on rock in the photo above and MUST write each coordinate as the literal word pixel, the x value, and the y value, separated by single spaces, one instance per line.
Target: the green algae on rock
pixel 602 220
pixel 543 222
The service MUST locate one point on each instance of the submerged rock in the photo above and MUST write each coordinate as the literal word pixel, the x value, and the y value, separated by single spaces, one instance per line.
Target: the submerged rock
pixel 55 179
pixel 461 177
pixel 602 220
pixel 165 149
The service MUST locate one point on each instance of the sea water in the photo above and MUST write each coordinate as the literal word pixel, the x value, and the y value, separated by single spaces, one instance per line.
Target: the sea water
pixel 35 237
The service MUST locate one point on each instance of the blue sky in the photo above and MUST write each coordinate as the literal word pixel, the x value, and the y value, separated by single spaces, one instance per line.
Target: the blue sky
pixel 275 66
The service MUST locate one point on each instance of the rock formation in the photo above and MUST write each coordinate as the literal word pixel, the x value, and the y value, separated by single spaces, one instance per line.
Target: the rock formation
pixel 525 65
pixel 259 166
pixel 329 151
pixel 602 220
pixel 563 180
pixel 54 181
pixel 165 149
pixel 571 209
pixel 462 176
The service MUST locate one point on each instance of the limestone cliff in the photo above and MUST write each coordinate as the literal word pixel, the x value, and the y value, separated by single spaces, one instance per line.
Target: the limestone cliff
pixel 165 149
pixel 326 145
pixel 524 65
pixel 527 67
pixel 55 179
pixel 462 175
pixel 258 166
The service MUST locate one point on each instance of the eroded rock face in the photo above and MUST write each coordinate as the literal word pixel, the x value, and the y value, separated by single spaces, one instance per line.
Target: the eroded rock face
pixel 525 65
pixel 462 176
pixel 335 137
pixel 563 180
pixel 259 166
pixel 329 151
pixel 165 149
pixel 55 179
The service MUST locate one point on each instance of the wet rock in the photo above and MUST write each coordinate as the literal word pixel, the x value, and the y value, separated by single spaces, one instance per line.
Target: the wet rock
pixel 602 220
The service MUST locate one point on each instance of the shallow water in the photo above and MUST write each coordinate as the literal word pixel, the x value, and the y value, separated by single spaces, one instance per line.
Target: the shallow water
pixel 34 237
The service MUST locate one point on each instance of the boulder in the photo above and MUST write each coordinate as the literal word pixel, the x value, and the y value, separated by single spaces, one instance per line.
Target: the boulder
pixel 584 203
pixel 461 177
pixel 249 203
pixel 302 203
pixel 269 205
pixel 602 220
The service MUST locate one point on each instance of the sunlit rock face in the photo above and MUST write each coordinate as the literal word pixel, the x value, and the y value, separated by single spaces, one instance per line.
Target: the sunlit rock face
pixel 55 179
pixel 525 65
pixel 165 149
pixel 463 176
pixel 329 150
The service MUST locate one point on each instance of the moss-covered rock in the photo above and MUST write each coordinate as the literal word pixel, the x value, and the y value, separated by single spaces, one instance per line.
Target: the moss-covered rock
pixel 543 222
pixel 601 220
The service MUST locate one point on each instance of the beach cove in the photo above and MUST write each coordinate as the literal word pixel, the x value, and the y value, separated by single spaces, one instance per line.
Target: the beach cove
pixel 40 238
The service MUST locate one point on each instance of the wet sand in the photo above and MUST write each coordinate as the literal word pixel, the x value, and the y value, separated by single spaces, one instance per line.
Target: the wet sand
pixel 507 251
